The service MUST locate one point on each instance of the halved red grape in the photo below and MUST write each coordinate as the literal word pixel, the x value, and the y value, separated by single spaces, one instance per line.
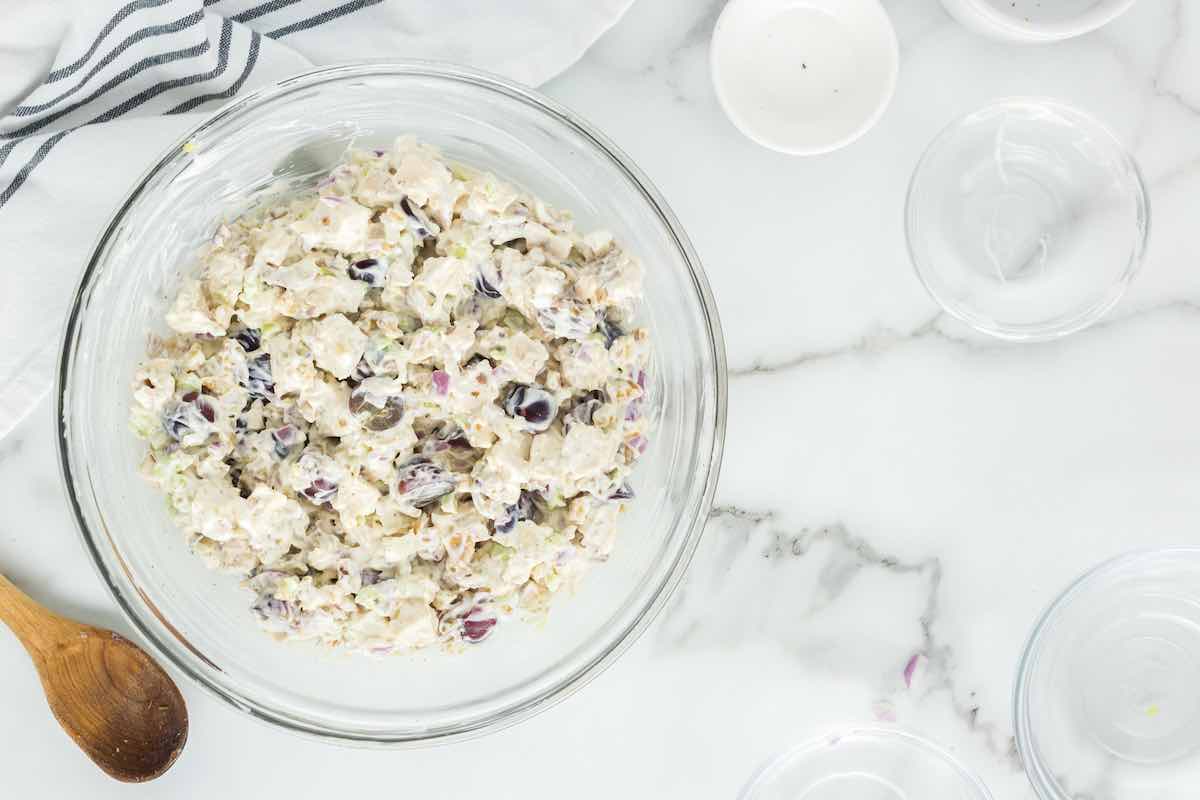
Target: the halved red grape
pixel 249 338
pixel 193 412
pixel 370 271
pixel 321 491
pixel 382 411
pixel 623 492
pixel 524 509
pixel 420 482
pixel 259 383
pixel 531 403
pixel 286 438
pixel 585 408
pixel 418 221
pixel 478 624
pixel 487 280
pixel 611 331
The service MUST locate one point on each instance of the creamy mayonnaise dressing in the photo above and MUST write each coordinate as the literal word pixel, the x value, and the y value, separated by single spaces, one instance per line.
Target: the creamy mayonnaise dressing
pixel 403 406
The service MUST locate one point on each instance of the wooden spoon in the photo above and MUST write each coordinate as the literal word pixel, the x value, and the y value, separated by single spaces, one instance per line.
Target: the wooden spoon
pixel 113 700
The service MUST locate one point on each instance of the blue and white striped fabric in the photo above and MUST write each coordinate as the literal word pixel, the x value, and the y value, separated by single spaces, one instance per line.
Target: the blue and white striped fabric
pixel 92 90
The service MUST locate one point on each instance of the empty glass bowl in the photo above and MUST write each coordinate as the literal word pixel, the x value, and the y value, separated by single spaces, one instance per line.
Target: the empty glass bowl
pixel 1027 219
pixel 1107 700
pixel 866 764
pixel 287 136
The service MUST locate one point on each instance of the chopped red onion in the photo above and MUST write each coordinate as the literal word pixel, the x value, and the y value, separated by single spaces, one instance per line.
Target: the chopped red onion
pixel 910 668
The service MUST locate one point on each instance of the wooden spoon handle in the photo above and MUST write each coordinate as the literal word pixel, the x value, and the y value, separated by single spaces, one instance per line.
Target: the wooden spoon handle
pixel 33 624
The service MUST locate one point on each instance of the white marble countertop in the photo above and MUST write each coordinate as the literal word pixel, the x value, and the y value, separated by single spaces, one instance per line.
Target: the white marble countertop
pixel 893 486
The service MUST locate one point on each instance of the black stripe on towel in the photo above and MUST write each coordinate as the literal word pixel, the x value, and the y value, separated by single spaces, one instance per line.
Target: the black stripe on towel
pixel 148 94
pixel 119 110
pixel 145 33
pixel 322 18
pixel 265 8
pixel 159 88
pixel 23 173
pixel 125 11
pixel 112 83
pixel 251 59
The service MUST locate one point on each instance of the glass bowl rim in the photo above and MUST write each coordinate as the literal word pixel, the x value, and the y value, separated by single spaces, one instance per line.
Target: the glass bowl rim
pixel 1055 31
pixel 178 653
pixel 897 735
pixel 1044 783
pixel 1079 320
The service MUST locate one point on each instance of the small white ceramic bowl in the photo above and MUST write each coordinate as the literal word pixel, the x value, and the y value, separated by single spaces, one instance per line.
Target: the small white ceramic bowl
pixel 804 76
pixel 1035 21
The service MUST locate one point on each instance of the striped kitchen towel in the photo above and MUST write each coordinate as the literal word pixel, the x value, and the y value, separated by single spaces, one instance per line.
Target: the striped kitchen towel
pixel 91 91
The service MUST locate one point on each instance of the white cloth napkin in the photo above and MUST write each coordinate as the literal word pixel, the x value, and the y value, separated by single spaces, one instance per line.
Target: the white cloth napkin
pixel 92 91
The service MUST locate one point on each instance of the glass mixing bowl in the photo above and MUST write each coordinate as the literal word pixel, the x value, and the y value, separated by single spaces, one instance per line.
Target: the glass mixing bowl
pixel 285 137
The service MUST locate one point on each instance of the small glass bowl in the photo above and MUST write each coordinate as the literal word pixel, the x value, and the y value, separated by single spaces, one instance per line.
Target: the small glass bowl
pixel 1107 699
pixel 1027 219
pixel 285 137
pixel 1032 21
pixel 866 764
